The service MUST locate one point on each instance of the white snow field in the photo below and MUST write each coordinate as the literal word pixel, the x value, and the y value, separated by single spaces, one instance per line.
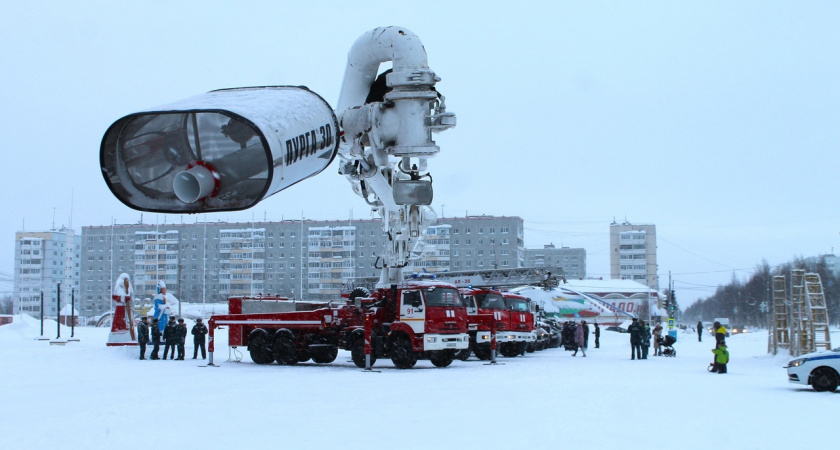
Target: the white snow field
pixel 84 395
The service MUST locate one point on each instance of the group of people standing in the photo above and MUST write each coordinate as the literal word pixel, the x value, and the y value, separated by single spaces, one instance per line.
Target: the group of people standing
pixel 174 335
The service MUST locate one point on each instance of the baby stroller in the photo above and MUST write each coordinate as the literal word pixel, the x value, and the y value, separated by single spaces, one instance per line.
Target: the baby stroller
pixel 666 343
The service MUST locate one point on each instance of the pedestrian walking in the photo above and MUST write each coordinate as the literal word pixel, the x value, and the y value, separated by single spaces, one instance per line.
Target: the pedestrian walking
pixel 699 331
pixel 580 340
pixel 657 336
pixel 597 336
pixel 169 338
pixel 635 330
pixel 142 336
pixel 645 339
pixel 156 334
pixel 199 331
pixel 181 337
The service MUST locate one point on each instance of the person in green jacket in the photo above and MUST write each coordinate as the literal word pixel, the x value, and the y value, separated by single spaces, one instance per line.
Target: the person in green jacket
pixel 721 357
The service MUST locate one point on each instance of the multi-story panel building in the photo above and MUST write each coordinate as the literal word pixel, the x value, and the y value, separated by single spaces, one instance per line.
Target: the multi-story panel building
pixel 432 254
pixel 571 260
pixel 633 253
pixel 485 242
pixel 43 260
pixel 207 262
pixel 332 260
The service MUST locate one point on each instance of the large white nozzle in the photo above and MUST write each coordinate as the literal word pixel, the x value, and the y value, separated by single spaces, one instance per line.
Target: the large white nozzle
pixel 194 184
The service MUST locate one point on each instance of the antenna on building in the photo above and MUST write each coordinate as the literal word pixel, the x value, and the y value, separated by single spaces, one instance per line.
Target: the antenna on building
pixel 53 223
pixel 71 208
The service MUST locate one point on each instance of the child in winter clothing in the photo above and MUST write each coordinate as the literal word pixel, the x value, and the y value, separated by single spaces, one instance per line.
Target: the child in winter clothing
pixel 721 357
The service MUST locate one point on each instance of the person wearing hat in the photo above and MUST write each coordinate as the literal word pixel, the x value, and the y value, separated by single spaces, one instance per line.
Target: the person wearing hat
pixel 635 329
pixel 181 337
pixel 142 336
pixel 169 338
pixel 156 334
pixel 199 331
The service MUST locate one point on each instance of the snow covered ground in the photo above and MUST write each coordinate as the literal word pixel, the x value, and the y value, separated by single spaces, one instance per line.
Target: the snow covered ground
pixel 84 395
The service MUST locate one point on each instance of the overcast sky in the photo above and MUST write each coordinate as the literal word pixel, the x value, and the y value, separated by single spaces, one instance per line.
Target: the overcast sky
pixel 717 121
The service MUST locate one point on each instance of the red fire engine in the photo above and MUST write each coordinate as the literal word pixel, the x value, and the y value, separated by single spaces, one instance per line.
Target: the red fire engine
pixel 409 321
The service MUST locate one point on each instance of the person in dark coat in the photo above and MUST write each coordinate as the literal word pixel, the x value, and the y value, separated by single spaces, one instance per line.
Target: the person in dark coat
pixel 699 331
pixel 169 338
pixel 181 337
pixel 199 331
pixel 580 343
pixel 720 332
pixel 156 334
pixel 645 338
pixel 585 333
pixel 142 336
pixel 597 336
pixel 636 331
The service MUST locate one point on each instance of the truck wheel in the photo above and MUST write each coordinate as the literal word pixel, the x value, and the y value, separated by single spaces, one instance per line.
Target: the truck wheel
pixel 521 347
pixel 824 380
pixel 482 352
pixel 325 355
pixel 357 352
pixel 442 358
pixel 464 354
pixel 302 355
pixel 402 355
pixel 508 350
pixel 284 348
pixel 259 348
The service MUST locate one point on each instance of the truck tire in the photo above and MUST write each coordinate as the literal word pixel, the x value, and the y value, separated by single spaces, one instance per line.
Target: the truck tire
pixel 357 352
pixel 324 355
pixel 509 350
pixel 464 354
pixel 284 348
pixel 482 352
pixel 259 348
pixel 442 358
pixel 402 355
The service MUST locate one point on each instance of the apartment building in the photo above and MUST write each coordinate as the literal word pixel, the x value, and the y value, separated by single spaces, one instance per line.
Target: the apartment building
pixel 633 253
pixel 571 260
pixel 46 262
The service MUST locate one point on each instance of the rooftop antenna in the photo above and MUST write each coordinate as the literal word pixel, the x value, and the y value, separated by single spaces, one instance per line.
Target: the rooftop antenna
pixel 71 208
pixel 53 222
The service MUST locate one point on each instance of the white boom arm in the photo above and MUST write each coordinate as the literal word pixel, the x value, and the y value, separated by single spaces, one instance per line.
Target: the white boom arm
pixel 387 140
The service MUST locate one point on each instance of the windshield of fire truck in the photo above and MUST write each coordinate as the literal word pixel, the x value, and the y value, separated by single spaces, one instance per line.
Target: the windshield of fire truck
pixel 443 297
pixel 490 301
pixel 517 304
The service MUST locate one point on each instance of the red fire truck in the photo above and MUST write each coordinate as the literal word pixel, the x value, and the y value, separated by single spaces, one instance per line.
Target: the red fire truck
pixel 408 321
pixel 522 322
pixel 513 324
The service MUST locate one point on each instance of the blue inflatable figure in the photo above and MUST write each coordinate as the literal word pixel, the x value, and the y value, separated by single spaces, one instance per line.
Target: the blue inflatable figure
pixel 162 309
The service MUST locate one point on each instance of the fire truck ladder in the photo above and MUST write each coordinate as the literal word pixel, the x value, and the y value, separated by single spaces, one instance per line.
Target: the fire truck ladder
pixel 547 277
pixel 780 333
pixel 815 302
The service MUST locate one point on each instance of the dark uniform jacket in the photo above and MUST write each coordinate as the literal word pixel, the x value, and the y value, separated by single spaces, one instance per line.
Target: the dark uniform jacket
pixel 169 334
pixel 636 331
pixel 142 332
pixel 199 331
pixel 181 333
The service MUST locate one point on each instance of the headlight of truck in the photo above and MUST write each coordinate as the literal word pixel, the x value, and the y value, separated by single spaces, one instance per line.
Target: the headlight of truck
pixel 431 339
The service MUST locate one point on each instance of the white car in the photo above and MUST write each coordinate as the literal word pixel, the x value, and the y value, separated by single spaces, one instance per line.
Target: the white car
pixel 821 370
